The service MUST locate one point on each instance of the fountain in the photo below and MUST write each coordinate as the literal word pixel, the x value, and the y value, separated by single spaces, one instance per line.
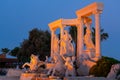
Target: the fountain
pixel 64 63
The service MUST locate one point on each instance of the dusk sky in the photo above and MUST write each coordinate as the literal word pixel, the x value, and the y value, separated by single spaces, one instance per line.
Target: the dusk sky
pixel 18 17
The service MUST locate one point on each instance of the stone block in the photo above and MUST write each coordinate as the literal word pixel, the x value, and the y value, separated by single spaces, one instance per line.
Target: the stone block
pixel 86 78
pixel 27 76
pixel 13 72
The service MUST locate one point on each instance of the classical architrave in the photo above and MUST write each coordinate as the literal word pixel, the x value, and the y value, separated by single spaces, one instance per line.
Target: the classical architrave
pixel 89 10
pixel 63 23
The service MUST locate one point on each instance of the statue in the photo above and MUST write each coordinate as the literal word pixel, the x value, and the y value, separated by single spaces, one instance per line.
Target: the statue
pixel 70 70
pixel 34 63
pixel 55 44
pixel 114 71
pixel 57 67
pixel 88 39
pixel 66 44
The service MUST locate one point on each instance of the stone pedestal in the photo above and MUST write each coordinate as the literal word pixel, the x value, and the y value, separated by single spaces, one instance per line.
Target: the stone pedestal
pixel 9 78
pixel 14 72
pixel 86 78
pixel 41 79
pixel 46 79
pixel 27 76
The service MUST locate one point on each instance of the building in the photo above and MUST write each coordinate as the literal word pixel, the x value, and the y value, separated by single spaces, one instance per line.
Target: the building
pixel 8 61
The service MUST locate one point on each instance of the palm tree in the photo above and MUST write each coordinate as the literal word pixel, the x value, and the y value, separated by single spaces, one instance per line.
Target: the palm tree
pixel 103 35
pixel 73 32
pixel 5 50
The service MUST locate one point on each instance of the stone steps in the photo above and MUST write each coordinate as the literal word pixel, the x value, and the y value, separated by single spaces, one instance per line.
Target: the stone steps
pixel 76 78
pixel 86 78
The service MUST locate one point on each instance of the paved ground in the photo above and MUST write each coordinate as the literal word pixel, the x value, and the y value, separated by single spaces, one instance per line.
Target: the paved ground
pixel 9 78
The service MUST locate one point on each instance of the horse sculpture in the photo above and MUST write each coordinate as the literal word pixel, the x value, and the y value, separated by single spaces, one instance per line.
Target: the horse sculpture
pixel 56 68
pixel 34 63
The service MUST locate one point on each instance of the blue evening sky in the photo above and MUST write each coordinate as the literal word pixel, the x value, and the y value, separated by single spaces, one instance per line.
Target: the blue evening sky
pixel 18 17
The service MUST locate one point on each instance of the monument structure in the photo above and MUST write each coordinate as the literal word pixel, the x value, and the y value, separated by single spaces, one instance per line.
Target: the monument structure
pixel 85 58
pixel 64 61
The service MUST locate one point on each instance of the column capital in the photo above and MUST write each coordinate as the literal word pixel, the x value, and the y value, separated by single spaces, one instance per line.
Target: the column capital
pixel 97 12
pixel 80 18
pixel 62 26
pixel 53 30
pixel 87 20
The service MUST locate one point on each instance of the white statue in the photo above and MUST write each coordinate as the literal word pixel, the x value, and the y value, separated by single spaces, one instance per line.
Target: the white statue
pixel 55 44
pixel 113 72
pixel 70 70
pixel 34 63
pixel 66 44
pixel 57 66
pixel 88 39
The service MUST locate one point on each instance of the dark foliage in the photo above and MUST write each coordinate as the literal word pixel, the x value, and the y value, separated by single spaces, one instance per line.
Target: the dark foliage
pixel 103 66
pixel 5 50
pixel 38 43
pixel 14 51
pixel 3 72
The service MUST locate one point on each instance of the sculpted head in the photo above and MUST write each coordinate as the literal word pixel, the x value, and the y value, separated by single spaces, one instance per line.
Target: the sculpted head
pixel 65 32
pixel 33 57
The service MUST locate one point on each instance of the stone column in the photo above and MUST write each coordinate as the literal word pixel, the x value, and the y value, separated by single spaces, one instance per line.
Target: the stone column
pixel 52 39
pixel 80 33
pixel 61 35
pixel 97 34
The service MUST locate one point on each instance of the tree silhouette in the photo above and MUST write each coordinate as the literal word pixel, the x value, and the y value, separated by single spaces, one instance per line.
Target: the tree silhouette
pixel 14 51
pixel 38 43
pixel 5 50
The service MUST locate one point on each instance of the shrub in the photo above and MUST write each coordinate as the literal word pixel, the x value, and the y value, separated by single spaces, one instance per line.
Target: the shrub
pixel 2 72
pixel 103 66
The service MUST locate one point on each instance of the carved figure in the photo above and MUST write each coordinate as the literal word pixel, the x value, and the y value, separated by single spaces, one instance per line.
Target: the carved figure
pixel 57 66
pixel 88 39
pixel 56 44
pixel 66 44
pixel 34 63
pixel 70 70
